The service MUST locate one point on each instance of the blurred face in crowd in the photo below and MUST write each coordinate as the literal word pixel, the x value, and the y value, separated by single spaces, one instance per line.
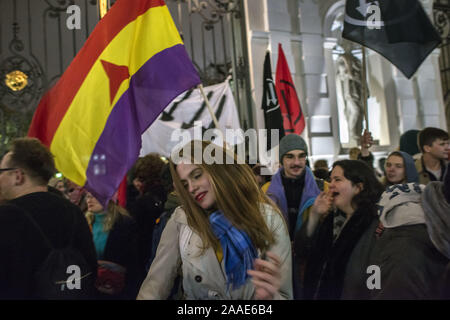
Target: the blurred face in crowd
pixel 197 183
pixel 60 186
pixel 8 178
pixel 294 163
pixel 395 169
pixel 260 180
pixel 343 190
pixel 439 149
pixel 354 153
pixel 92 204
pixel 74 192
pixel 139 185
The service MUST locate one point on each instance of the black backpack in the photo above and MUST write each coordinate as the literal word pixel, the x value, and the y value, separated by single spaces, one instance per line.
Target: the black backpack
pixel 64 274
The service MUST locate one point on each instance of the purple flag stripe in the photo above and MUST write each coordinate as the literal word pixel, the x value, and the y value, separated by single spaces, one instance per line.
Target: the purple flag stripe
pixel 152 88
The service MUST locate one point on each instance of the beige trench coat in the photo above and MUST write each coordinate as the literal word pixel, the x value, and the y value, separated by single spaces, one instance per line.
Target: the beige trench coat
pixel 203 276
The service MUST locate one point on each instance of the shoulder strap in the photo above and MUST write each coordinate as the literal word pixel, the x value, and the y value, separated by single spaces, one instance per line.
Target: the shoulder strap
pixel 30 218
pixel 46 239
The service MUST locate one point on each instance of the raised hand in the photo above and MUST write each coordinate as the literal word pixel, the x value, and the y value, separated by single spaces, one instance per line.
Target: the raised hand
pixel 366 139
pixel 322 204
pixel 266 277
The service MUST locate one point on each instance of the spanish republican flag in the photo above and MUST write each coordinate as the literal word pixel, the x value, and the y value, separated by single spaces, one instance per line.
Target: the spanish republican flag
pixel 131 67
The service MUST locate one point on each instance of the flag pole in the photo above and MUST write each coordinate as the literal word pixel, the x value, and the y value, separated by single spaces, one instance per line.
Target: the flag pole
pixel 211 112
pixel 213 116
pixel 364 87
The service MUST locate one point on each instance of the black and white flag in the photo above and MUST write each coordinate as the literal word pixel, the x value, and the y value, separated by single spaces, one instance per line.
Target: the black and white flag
pixel 399 30
pixel 270 105
pixel 187 110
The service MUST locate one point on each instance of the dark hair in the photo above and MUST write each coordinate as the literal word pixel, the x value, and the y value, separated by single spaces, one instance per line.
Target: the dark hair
pixel 166 179
pixel 408 142
pixel 321 164
pixel 428 135
pixel 396 153
pixel 148 170
pixel 257 168
pixel 34 158
pixel 381 163
pixel 358 171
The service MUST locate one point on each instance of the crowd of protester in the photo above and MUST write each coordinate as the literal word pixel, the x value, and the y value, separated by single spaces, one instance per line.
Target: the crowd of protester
pixel 228 231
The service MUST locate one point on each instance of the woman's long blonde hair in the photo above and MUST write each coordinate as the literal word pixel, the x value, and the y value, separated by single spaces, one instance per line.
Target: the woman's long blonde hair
pixel 237 194
pixel 113 213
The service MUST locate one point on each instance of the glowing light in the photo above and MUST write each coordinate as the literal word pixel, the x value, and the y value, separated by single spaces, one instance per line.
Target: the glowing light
pixel 103 7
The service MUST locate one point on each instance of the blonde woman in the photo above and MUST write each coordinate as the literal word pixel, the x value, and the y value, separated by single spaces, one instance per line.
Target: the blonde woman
pixel 228 239
pixel 115 240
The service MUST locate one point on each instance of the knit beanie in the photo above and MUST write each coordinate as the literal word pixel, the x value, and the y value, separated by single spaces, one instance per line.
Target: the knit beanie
pixel 292 142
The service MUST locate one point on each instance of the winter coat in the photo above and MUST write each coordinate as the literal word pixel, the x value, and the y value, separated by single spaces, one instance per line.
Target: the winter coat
pixel 121 248
pixel 328 262
pixel 409 265
pixel 146 209
pixel 203 276
pixel 275 191
pixel 23 248
pixel 424 174
pixel 437 219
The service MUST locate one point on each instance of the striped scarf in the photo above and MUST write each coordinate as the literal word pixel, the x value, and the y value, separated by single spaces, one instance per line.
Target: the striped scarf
pixel 238 250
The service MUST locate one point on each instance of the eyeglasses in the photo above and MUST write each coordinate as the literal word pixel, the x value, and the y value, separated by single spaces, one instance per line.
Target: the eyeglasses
pixel 7 169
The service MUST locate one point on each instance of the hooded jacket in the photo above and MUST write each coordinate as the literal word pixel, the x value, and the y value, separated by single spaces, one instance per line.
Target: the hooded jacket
pixel 410 169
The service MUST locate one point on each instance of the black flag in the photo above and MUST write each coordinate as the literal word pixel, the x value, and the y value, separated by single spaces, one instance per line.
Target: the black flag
pixel 399 30
pixel 270 105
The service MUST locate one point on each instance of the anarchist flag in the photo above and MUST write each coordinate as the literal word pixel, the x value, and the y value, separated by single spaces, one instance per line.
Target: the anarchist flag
pixel 399 30
pixel 270 105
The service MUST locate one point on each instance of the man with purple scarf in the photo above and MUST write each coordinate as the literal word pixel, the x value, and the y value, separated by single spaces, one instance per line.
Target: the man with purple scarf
pixel 294 188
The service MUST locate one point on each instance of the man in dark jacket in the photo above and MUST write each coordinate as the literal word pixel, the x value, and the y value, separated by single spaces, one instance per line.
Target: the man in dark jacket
pixel 294 188
pixel 148 205
pixel 434 144
pixel 24 174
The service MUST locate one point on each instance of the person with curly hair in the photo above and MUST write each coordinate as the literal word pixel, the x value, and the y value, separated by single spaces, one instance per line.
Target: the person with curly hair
pixel 338 221
pixel 149 204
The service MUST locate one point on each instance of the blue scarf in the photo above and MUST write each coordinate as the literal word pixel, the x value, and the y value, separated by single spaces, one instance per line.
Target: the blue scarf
pixel 238 250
